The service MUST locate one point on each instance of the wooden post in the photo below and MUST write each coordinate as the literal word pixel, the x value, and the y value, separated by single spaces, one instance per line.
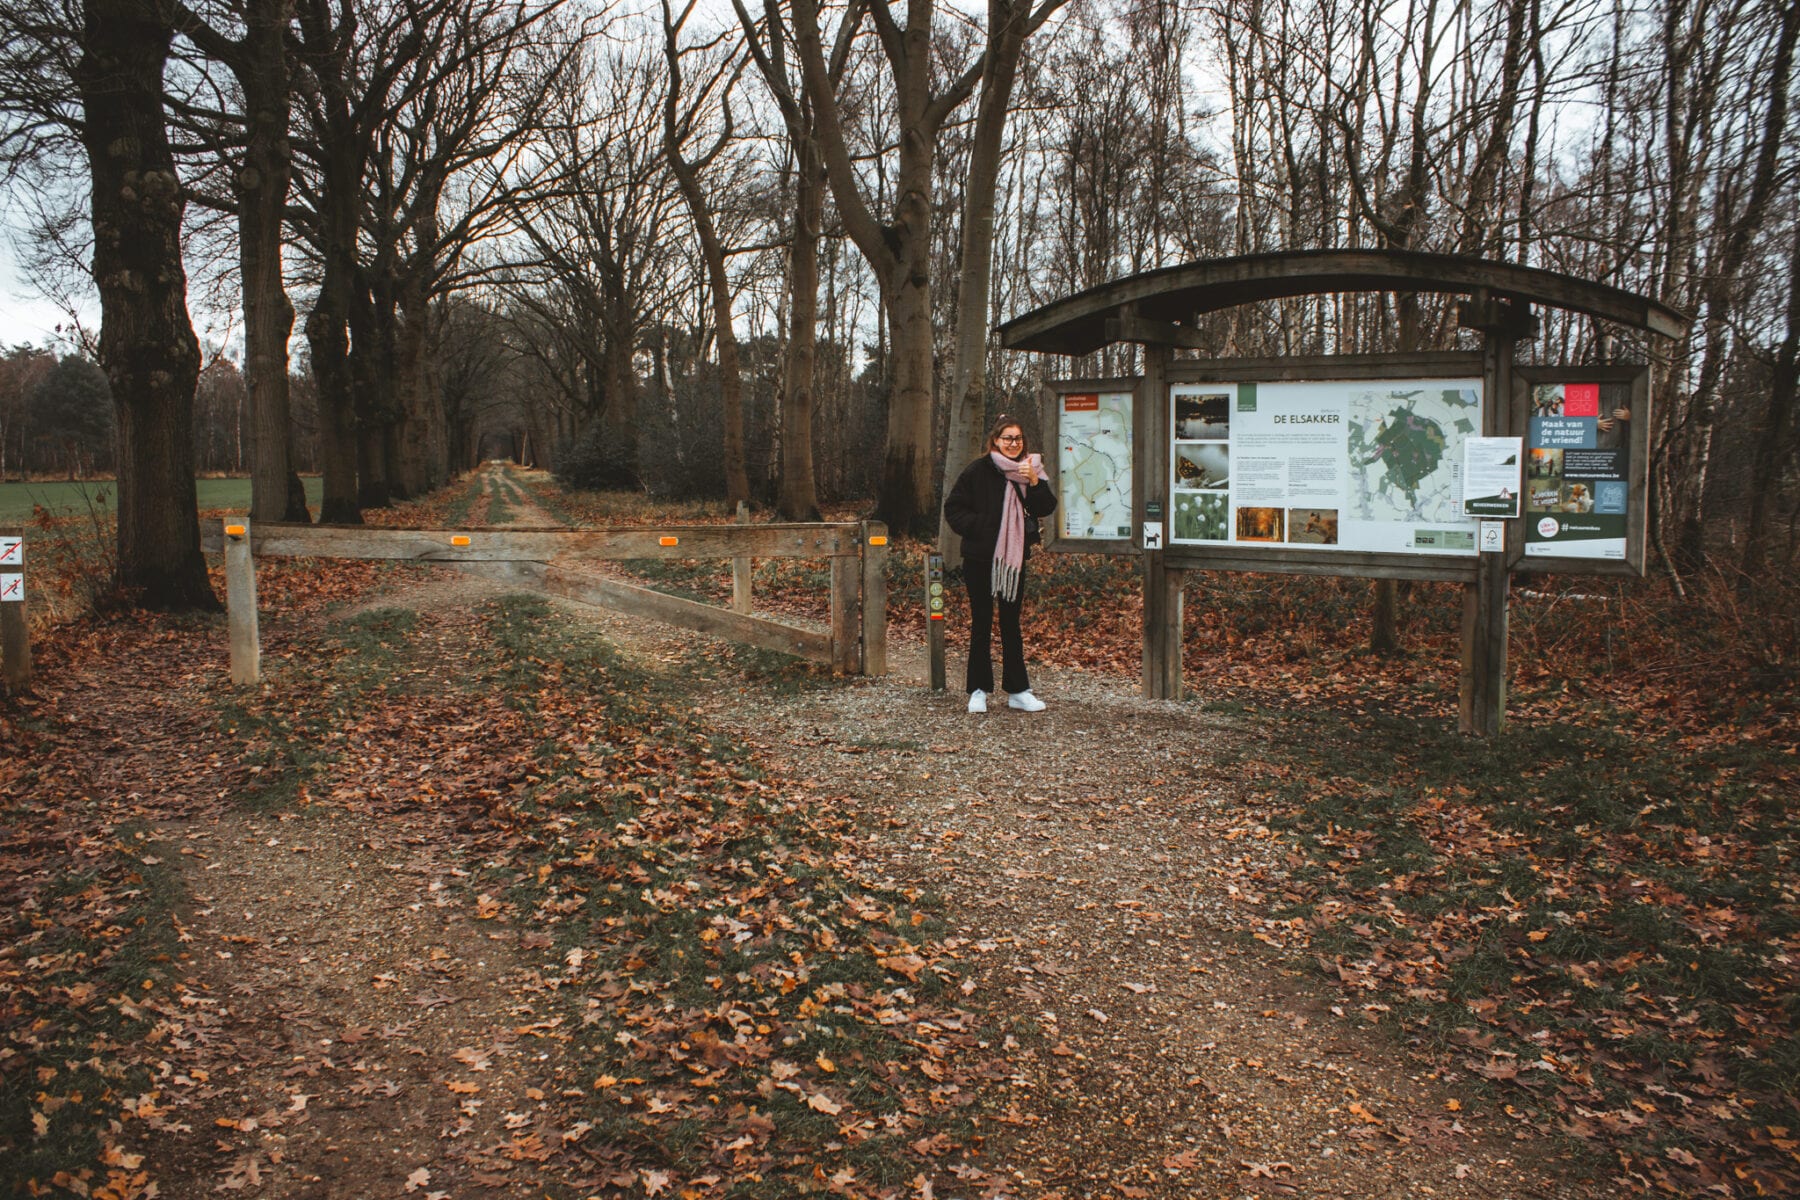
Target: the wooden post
pixel 874 598
pixel 1482 691
pixel 1173 581
pixel 935 598
pixel 240 605
pixel 15 629
pixel 1161 650
pixel 846 624
pixel 740 569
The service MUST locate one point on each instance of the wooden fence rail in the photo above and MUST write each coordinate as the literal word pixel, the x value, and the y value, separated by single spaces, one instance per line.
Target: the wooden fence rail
pixel 547 560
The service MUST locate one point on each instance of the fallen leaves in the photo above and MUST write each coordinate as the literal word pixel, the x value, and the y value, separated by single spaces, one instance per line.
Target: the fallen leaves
pixel 1271 1170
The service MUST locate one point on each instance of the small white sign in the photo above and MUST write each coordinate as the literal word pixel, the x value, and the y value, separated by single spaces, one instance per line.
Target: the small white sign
pixel 1491 477
pixel 12 589
pixel 1153 531
pixel 1493 537
pixel 12 550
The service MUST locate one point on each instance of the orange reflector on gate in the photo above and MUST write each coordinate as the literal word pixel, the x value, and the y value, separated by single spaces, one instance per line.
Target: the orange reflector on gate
pixel 461 539
pixel 235 530
pixel 668 541
pixel 877 541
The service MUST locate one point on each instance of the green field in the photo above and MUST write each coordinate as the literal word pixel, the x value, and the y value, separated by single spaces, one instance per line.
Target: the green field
pixel 19 500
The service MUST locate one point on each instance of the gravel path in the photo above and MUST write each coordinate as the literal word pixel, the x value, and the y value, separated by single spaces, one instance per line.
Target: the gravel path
pixel 1093 860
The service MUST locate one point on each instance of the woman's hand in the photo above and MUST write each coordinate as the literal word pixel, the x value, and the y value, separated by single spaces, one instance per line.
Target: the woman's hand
pixel 1031 475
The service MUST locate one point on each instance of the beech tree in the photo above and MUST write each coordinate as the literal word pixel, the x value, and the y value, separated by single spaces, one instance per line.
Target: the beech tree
pixel 683 117
pixel 898 246
pixel 595 206
pixel 83 81
pixel 769 42
pixel 260 164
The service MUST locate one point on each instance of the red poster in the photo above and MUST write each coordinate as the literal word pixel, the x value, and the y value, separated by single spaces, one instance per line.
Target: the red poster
pixel 1090 402
pixel 1581 400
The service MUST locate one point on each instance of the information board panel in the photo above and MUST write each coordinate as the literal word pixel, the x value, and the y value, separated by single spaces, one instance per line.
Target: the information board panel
pixel 1578 473
pixel 1366 465
pixel 1093 474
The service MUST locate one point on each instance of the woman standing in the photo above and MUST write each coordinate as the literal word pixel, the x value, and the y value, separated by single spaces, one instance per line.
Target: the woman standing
pixel 988 506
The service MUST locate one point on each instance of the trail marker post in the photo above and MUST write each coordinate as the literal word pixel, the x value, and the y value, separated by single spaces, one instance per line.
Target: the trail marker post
pixel 934 618
pixel 874 598
pixel 240 605
pixel 15 631
pixel 740 569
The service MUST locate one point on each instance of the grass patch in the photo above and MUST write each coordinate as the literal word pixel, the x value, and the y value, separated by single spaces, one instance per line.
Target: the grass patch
pixel 21 501
pixel 736 985
pixel 1618 906
pixel 743 1006
pixel 87 975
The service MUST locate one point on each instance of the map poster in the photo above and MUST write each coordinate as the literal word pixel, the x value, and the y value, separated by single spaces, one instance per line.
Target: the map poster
pixel 1094 464
pixel 1352 465
pixel 1491 476
pixel 1577 474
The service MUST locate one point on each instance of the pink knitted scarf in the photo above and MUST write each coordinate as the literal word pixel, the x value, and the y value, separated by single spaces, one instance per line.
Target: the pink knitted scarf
pixel 1009 547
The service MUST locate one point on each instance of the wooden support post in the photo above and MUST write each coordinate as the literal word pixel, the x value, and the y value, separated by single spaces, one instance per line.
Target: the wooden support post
pixel 740 569
pixel 240 605
pixel 846 622
pixel 15 629
pixel 1173 581
pixel 935 599
pixel 1161 648
pixel 1482 691
pixel 874 598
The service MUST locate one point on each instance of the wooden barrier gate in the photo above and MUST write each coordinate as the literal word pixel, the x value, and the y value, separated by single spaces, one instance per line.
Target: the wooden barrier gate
pixel 544 560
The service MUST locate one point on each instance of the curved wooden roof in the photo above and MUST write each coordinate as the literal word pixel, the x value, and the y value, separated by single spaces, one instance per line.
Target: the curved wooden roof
pixel 1078 324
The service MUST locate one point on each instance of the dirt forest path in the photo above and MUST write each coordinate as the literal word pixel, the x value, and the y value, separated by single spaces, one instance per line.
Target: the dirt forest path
pixel 358 1017
pixel 365 1034
pixel 504 502
pixel 1090 858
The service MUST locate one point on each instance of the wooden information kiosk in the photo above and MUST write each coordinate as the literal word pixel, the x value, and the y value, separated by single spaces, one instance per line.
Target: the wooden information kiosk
pixel 1348 464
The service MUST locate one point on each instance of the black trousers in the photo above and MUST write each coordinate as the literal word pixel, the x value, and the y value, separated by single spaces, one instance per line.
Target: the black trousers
pixel 978 576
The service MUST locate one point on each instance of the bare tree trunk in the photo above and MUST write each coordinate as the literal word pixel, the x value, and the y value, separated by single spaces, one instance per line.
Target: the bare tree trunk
pixel 418 430
pixel 1007 20
pixel 1723 286
pixel 262 187
pixel 798 495
pixel 371 373
pixel 898 248
pixel 147 343
pixel 327 336
pixel 1774 444
pixel 677 127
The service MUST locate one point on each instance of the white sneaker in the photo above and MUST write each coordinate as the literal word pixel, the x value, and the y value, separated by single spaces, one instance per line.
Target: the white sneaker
pixel 977 701
pixel 1025 702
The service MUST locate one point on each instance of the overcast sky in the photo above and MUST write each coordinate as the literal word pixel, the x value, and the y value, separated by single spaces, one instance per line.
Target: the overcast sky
pixel 24 317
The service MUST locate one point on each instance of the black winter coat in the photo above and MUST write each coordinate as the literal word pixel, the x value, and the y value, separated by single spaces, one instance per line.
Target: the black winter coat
pixel 973 506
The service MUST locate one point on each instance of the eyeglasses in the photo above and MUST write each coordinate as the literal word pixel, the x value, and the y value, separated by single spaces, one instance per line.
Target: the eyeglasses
pixel 1010 437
